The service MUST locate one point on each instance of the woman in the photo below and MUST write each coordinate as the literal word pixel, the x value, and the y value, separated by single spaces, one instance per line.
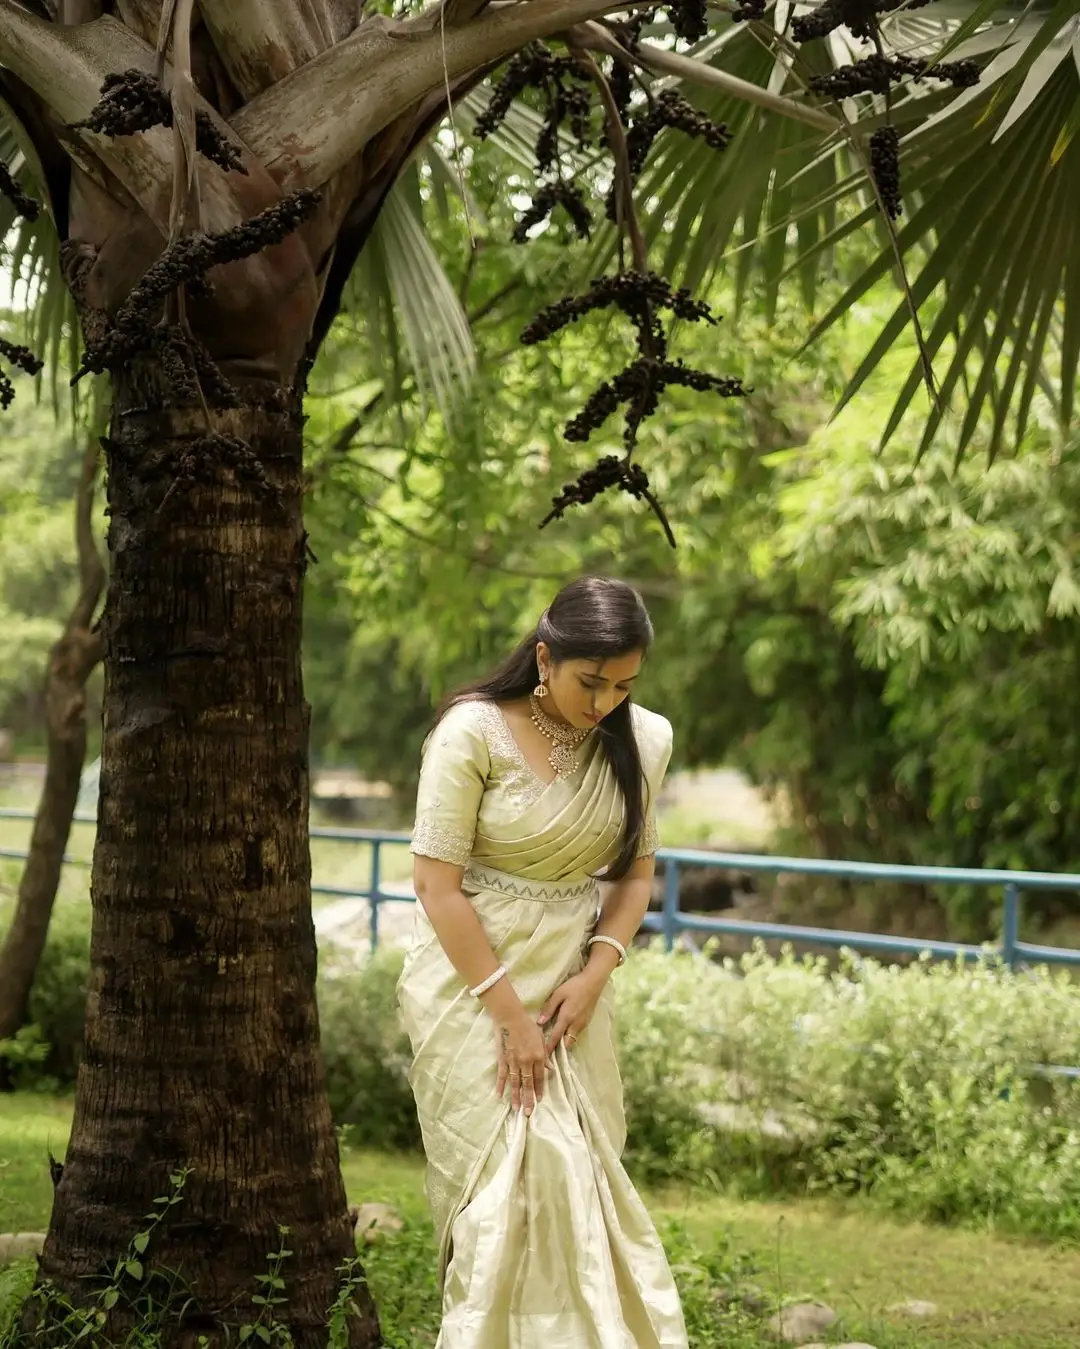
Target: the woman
pixel 535 780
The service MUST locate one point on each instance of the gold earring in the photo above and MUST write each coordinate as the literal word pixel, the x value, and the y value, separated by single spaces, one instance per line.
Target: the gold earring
pixel 541 690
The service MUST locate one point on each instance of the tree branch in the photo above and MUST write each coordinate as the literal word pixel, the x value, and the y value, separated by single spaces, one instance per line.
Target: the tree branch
pixel 140 16
pixel 316 120
pixel 694 71
pixel 262 41
pixel 64 69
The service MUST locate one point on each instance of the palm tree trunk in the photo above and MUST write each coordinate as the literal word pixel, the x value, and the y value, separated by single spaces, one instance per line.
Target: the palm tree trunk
pixel 71 661
pixel 201 1045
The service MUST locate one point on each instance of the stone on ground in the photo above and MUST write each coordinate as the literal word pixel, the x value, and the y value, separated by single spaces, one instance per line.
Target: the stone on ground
pixel 797 1323
pixel 20 1245
pixel 371 1221
pixel 913 1307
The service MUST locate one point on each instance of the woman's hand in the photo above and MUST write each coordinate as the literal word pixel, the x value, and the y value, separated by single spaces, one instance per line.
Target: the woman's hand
pixel 523 1060
pixel 570 1008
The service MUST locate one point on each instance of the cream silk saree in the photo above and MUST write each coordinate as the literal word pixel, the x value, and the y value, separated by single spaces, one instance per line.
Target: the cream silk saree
pixel 544 1243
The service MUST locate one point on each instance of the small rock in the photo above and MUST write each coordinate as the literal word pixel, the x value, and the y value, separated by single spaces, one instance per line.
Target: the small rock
pixel 749 1298
pixel 796 1323
pixel 370 1221
pixel 913 1308
pixel 20 1245
pixel 752 1299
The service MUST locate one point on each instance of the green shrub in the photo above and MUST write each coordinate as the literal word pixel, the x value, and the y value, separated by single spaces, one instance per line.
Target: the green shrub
pixel 912 1085
pixel 58 999
pixel 46 1054
pixel 367 1053
pixel 16 1280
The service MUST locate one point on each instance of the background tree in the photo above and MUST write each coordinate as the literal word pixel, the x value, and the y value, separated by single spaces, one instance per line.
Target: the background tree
pixel 72 659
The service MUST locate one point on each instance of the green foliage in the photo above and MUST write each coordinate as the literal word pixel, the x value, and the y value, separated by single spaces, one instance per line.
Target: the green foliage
pixel 882 644
pixel 47 1052
pixel 367 1053
pixel 39 472
pixel 914 1086
pixel 16 1281
pixel 22 1056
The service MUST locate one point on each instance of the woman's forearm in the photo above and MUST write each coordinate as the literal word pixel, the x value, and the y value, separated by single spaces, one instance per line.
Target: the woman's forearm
pixel 621 917
pixel 461 935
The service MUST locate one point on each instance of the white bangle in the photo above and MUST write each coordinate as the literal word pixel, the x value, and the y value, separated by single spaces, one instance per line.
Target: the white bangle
pixel 613 942
pixel 489 982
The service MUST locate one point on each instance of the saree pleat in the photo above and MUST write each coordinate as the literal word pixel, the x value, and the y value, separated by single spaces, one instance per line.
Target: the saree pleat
pixel 544 1243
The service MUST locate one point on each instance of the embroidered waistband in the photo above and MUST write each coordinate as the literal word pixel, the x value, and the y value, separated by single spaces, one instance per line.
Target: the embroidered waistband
pixel 478 877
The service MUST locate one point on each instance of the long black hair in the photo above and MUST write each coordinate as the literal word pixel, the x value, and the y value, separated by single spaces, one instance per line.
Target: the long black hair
pixel 593 618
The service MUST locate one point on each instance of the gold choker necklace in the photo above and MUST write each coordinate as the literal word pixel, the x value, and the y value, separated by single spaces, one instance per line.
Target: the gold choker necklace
pixel 565 740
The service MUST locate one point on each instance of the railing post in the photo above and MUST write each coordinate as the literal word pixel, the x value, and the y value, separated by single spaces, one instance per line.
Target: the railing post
pixel 670 922
pixel 1010 926
pixel 374 897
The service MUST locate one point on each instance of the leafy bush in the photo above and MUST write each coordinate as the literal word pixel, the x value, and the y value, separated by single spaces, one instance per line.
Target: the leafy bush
pixel 915 1086
pixel 58 999
pixel 46 1053
pixel 16 1280
pixel 367 1053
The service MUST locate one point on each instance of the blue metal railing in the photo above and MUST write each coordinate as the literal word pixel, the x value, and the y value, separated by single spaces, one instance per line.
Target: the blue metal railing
pixel 670 921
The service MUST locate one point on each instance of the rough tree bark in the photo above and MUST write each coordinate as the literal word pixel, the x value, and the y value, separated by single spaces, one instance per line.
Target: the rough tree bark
pixel 202 1038
pixel 71 661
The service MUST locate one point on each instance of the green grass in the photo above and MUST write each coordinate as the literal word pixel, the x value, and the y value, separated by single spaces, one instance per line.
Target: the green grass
pixel 992 1292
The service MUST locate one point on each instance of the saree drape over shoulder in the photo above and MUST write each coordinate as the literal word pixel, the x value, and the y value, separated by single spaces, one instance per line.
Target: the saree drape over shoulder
pixel 544 1243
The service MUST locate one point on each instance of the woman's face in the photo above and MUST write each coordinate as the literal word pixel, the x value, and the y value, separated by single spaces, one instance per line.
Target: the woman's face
pixel 583 692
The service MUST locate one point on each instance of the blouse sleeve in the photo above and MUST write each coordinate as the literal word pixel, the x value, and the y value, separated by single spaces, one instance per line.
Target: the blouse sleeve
pixel 453 773
pixel 655 740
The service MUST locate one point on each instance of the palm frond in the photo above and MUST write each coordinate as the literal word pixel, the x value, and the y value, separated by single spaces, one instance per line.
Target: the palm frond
pixel 30 253
pixel 408 304
pixel 992 191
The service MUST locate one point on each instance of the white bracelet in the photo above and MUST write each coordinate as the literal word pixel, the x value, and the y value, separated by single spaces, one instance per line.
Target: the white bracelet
pixel 613 942
pixel 489 982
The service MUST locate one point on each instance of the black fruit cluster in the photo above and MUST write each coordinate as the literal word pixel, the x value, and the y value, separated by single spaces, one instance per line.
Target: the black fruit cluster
pixel 878 74
pixel 640 386
pixel 861 16
pixel 885 167
pixel 186 260
pixel 133 101
pixel 749 11
pixel 689 18
pixel 638 295
pixel 608 472
pixel 206 456
pixel 566 88
pixel 23 359
pixel 633 292
pixel 569 197
pixel 670 109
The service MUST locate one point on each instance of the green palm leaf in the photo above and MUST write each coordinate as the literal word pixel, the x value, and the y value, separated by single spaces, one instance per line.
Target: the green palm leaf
pixel 992 228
